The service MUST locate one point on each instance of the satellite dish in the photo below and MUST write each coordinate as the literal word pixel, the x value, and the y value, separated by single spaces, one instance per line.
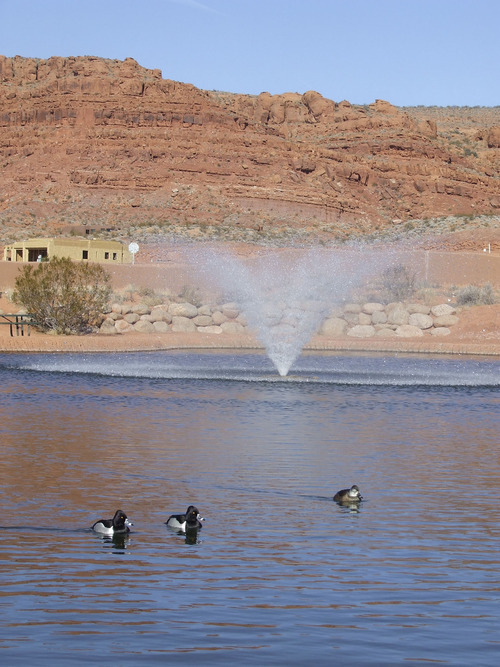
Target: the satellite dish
pixel 133 248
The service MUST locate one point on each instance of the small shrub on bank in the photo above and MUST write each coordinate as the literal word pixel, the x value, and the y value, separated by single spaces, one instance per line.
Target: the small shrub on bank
pixel 129 291
pixel 63 296
pixel 150 296
pixel 399 282
pixel 476 295
pixel 428 295
pixel 191 295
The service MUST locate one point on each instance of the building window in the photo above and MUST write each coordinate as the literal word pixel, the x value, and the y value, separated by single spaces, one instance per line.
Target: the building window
pixel 115 255
pixel 106 255
pixel 85 254
pixel 37 254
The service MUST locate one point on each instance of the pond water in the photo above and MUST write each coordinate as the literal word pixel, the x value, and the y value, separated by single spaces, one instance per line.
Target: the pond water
pixel 279 574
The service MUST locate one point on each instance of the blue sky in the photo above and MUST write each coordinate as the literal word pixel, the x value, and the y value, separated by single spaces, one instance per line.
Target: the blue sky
pixel 409 52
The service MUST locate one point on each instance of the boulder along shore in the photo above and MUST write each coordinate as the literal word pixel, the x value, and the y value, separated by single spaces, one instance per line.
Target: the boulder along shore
pixel 477 332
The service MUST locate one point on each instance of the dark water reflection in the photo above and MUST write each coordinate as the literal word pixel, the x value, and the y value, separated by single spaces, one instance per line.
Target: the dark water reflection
pixel 279 574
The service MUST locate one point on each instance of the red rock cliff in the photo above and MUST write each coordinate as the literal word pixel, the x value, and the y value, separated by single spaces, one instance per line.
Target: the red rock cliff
pixel 86 139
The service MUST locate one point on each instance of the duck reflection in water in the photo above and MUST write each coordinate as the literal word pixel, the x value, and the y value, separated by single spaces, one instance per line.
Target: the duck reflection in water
pixel 117 542
pixel 191 535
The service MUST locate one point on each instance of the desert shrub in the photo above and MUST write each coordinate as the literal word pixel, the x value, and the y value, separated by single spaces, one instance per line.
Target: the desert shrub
pixel 150 296
pixel 399 282
pixel 191 295
pixel 130 290
pixel 64 296
pixel 428 295
pixel 476 295
pixel 146 292
pixel 116 297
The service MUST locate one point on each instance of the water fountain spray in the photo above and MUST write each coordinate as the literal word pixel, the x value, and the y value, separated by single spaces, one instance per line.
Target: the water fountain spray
pixel 285 295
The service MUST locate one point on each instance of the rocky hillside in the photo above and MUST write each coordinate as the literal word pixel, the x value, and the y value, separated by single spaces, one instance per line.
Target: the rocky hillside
pixel 97 142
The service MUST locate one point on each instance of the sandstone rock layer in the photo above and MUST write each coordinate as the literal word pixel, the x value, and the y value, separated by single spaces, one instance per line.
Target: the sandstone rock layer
pixel 91 141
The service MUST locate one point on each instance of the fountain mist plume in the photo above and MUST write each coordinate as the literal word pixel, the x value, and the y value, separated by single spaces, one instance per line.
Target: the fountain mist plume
pixel 285 295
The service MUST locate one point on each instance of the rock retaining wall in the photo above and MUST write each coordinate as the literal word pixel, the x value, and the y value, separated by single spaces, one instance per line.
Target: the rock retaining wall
pixel 351 319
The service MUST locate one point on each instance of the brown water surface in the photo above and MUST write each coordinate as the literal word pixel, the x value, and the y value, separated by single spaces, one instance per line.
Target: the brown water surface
pixel 279 574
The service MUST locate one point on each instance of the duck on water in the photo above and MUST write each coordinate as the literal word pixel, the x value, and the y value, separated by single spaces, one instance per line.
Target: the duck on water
pixel 347 496
pixel 191 520
pixel 119 524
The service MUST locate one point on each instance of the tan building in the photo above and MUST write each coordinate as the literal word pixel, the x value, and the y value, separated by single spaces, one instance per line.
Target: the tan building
pixel 91 250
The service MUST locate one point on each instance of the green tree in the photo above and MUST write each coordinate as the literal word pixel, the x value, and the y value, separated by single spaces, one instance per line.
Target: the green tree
pixel 63 296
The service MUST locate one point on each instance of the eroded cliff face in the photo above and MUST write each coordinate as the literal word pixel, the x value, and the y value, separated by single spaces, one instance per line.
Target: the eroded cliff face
pixel 86 140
